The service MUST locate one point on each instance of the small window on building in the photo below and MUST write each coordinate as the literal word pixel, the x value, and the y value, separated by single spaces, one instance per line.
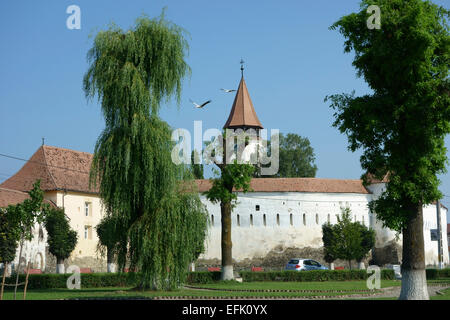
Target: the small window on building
pixel 264 220
pixel 278 219
pixel 291 218
pixel 212 220
pixel 363 221
pixel 238 221
pixel 304 219
pixel 251 219
pixel 329 218
pixel 257 207
pixel 87 232
pixel 317 218
pixel 87 209
pixel 41 234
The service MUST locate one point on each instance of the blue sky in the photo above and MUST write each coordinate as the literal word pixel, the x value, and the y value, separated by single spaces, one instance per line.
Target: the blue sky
pixel 292 62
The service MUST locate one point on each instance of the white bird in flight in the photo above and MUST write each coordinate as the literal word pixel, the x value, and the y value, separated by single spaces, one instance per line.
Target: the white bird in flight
pixel 199 105
pixel 227 90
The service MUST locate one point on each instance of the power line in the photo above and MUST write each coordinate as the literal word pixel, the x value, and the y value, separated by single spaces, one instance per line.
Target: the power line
pixel 42 163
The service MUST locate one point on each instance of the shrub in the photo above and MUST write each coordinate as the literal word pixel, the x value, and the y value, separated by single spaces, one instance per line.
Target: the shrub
pixel 433 274
pixel 88 280
pixel 318 275
pixel 202 277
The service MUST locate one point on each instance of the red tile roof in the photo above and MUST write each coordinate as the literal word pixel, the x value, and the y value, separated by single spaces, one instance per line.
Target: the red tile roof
pixel 11 197
pixel 372 180
pixel 58 169
pixel 65 169
pixel 298 185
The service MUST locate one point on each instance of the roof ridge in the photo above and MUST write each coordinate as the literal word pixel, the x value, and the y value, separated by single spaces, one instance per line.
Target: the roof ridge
pixel 67 149
pixel 243 97
pixel 308 178
pixel 13 190
pixel 47 167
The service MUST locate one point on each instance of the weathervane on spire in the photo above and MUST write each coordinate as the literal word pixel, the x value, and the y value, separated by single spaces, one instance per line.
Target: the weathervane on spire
pixel 242 67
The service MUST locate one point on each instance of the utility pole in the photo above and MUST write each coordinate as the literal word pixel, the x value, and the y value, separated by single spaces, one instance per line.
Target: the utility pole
pixel 439 227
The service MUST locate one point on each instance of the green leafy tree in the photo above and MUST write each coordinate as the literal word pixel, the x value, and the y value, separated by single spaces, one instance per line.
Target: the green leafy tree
pixel 401 126
pixel 109 234
pixel 330 242
pixel 8 243
pixel 296 157
pixel 349 237
pixel 197 168
pixel 367 241
pixel 133 72
pixel 232 176
pixel 21 219
pixel 61 238
pixel 347 240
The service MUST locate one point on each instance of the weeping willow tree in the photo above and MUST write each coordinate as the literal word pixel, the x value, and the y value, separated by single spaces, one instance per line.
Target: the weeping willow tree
pixel 160 223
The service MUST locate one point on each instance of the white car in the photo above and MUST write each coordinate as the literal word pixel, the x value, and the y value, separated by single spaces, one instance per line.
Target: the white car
pixel 299 264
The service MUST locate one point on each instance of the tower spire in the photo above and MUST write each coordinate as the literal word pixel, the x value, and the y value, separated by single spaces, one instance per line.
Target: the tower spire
pixel 242 113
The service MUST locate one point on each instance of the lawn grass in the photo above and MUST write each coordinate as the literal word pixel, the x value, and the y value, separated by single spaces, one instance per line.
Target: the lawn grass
pixel 290 285
pixel 348 288
pixel 117 293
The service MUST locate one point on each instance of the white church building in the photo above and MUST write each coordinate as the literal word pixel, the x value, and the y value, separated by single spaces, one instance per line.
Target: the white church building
pixel 280 218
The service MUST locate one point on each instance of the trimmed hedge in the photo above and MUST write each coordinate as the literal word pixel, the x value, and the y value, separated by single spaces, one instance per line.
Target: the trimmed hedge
pixel 433 274
pixel 88 280
pixel 313 275
pixel 202 277
pixel 96 280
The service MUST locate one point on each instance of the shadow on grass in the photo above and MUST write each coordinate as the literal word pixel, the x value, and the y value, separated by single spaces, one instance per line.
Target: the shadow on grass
pixel 111 298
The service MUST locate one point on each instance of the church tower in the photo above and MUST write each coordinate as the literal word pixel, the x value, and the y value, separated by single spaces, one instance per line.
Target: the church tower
pixel 243 117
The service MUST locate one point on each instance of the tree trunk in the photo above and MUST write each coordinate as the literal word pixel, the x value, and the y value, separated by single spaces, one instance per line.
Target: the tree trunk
pixel 5 266
pixel 414 282
pixel 227 258
pixel 18 268
pixel 350 264
pixel 60 265
pixel 111 266
pixel 26 281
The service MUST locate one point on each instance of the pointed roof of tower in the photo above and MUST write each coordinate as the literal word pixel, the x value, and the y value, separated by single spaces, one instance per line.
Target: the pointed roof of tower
pixel 242 113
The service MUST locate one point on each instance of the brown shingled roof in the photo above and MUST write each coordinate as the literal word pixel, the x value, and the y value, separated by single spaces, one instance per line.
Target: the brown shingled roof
pixel 242 113
pixel 58 169
pixel 65 169
pixel 298 185
pixel 372 180
pixel 12 197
